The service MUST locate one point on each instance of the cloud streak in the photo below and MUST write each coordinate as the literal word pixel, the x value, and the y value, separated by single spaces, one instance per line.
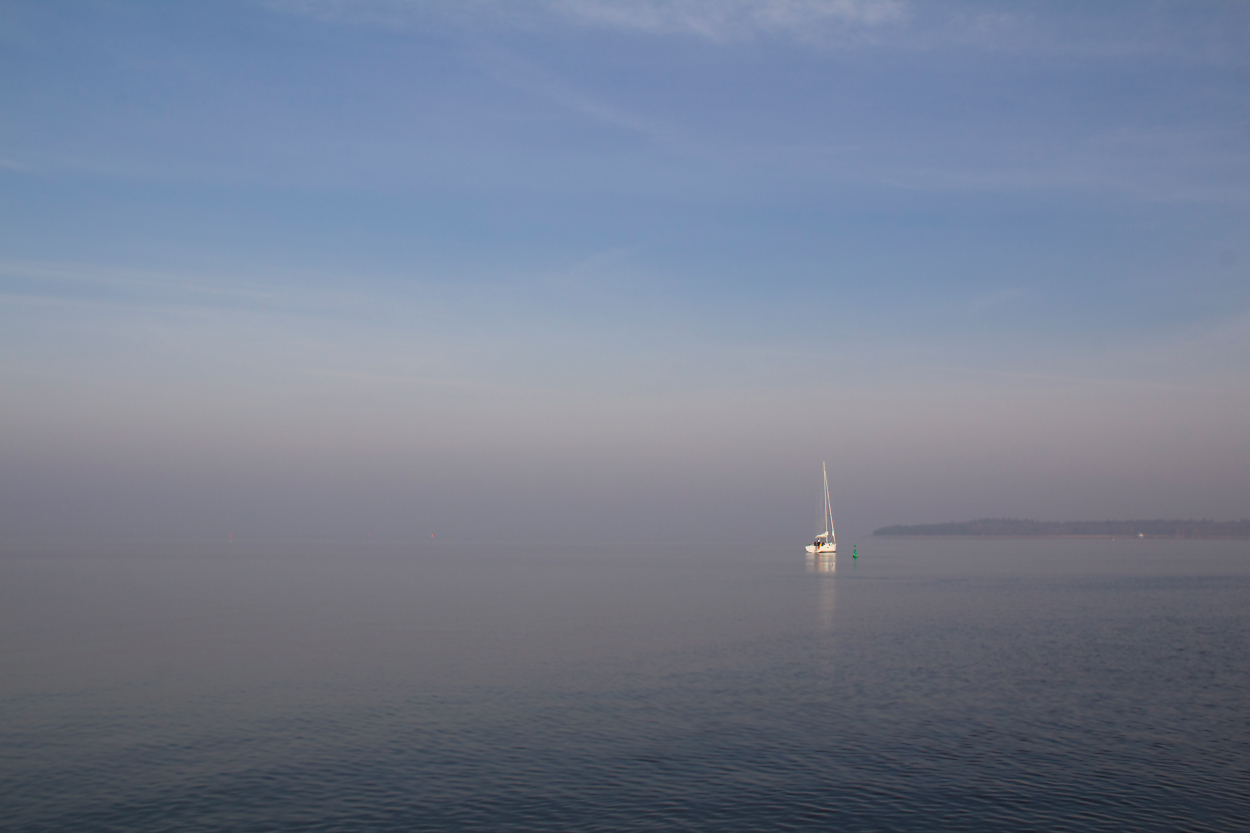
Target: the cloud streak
pixel 720 21
pixel 732 20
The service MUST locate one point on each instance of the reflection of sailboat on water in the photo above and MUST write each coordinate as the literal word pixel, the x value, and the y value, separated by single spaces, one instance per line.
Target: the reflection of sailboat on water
pixel 827 563
pixel 826 542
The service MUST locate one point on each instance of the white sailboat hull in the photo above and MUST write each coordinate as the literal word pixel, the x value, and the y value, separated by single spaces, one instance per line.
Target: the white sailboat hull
pixel 823 549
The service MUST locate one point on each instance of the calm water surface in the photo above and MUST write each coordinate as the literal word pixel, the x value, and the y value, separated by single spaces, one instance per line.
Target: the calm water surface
pixel 932 685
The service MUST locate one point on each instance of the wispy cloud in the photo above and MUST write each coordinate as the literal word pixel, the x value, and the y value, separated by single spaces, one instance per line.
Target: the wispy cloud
pixel 1082 30
pixel 729 20
pixel 509 69
pixel 60 280
pixel 594 269
pixel 721 21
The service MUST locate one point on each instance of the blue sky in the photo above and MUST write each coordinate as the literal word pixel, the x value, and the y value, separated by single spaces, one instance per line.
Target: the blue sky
pixel 566 268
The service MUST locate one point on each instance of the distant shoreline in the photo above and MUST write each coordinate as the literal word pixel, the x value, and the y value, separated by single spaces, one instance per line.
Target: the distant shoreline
pixel 1013 528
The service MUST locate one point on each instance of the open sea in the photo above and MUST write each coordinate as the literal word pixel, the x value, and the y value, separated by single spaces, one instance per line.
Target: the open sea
pixel 1051 685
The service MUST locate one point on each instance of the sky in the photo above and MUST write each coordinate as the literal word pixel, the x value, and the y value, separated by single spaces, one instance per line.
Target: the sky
pixel 577 270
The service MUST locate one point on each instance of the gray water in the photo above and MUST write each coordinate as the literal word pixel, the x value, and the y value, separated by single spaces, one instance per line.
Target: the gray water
pixel 929 685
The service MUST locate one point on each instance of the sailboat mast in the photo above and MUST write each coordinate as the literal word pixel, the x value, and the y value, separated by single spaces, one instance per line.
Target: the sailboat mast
pixel 828 519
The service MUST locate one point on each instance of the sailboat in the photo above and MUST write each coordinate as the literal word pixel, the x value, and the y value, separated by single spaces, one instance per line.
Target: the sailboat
pixel 826 542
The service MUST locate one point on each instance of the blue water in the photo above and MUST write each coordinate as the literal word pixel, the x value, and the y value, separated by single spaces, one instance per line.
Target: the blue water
pixel 930 685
